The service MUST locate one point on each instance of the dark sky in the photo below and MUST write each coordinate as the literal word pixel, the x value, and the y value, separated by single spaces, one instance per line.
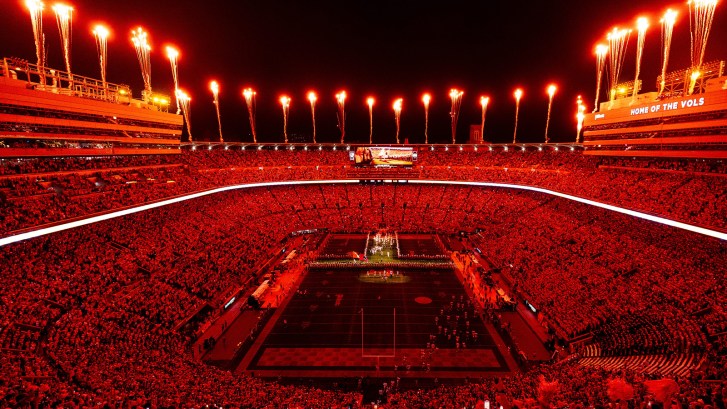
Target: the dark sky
pixel 387 49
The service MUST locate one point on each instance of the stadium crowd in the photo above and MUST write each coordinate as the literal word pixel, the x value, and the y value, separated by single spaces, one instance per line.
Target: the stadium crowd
pixel 35 192
pixel 91 316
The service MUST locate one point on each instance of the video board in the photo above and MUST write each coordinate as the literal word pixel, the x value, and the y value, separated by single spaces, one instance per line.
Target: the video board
pixel 384 156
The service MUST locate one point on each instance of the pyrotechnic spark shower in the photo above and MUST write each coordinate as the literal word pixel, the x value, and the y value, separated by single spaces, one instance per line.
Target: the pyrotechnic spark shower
pixel 370 103
pixel 693 81
pixel 642 24
pixel 341 100
pixel 312 98
pixel 456 97
pixel 36 16
pixel 601 52
pixel 101 34
pixel 249 95
pixel 551 92
pixel 667 28
pixel 173 56
pixel 426 98
pixel 140 40
pixel 64 18
pixel 484 102
pixel 215 88
pixel 184 102
pixel 518 94
pixel 397 116
pixel 701 15
pixel 580 116
pixel 285 102
pixel 618 41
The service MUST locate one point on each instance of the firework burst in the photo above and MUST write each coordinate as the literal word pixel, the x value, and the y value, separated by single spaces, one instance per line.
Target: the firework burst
pixel 64 18
pixel 551 93
pixel 285 103
pixel 618 40
pixel 312 98
pixel 518 95
pixel 101 34
pixel 35 7
pixel 215 88
pixel 250 95
pixel 667 28
pixel 341 101
pixel 397 116
pixel 426 98
pixel 484 102
pixel 184 102
pixel 140 39
pixel 370 103
pixel 456 97
pixel 173 56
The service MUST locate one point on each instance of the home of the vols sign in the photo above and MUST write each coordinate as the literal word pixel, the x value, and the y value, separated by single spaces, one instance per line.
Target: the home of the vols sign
pixel 668 106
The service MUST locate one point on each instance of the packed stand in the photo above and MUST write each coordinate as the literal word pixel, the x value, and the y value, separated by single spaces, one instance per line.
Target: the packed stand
pixel 38 191
pixel 85 309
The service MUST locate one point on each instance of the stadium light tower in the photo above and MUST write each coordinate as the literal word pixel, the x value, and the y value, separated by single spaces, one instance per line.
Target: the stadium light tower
pixel 518 95
pixel 551 92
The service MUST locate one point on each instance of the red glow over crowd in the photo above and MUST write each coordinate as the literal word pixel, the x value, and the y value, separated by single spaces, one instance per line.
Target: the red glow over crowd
pixel 100 315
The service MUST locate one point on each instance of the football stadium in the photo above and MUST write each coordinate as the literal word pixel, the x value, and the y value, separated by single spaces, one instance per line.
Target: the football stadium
pixel 150 260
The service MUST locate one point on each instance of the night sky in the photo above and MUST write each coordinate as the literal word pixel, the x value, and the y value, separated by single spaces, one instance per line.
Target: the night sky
pixel 387 49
